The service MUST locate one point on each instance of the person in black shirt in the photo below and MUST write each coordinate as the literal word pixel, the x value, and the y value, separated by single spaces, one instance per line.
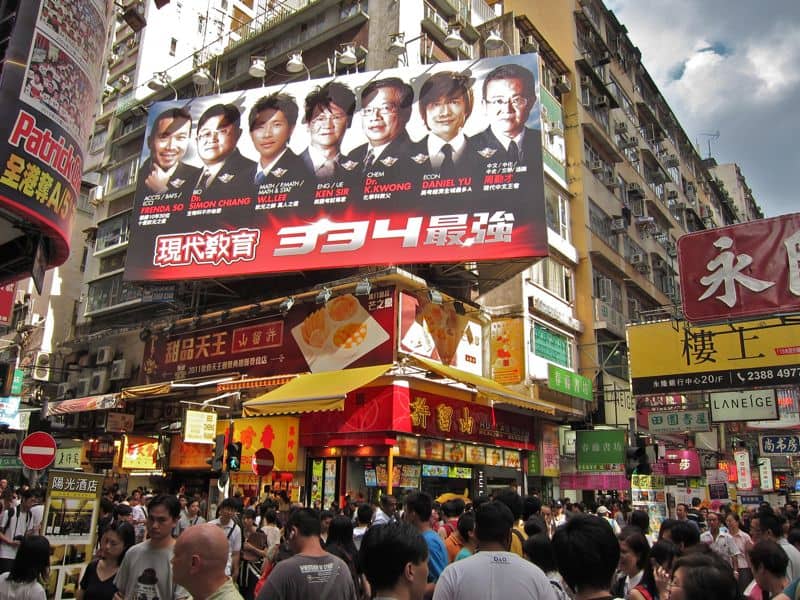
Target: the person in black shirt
pixel 98 579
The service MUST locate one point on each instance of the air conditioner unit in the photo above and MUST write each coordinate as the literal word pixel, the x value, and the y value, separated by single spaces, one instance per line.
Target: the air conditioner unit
pixel 643 267
pixel 65 390
pixel 671 161
pixel 82 389
pixel 672 195
pixel 637 208
pixel 604 288
pixel 99 383
pixel 105 354
pixel 659 264
pixel 637 258
pixel 109 90
pixel 41 366
pixel 634 189
pixel 96 195
pixel 618 225
pixel 120 369
pixel 113 57
pixel 672 250
pixel 563 84
pixel 634 308
pixel 598 166
pixel 131 43
pixel 125 79
pixel 601 102
pixel 530 44
pixel 621 127
pixel 586 81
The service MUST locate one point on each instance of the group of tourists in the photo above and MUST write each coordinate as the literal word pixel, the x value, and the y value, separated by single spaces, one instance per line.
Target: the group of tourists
pixel 410 548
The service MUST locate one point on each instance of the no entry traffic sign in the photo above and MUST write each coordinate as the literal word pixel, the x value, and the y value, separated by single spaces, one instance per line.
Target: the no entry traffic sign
pixel 38 450
pixel 263 462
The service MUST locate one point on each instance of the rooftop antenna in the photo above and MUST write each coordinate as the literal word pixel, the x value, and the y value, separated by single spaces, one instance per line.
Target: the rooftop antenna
pixel 712 137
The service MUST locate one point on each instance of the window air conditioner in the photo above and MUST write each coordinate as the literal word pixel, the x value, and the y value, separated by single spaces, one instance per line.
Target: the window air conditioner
pixel 99 382
pixel 105 354
pixel 120 369
pixel 65 390
pixel 41 366
pixel 82 389
pixel 637 258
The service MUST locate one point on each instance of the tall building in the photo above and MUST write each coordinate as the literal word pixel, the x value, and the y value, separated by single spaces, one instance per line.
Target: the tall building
pixel 622 183
pixel 735 184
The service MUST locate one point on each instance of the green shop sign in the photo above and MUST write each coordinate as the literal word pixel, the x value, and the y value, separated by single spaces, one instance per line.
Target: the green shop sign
pixel 550 345
pixel 10 462
pixel 569 383
pixel 600 450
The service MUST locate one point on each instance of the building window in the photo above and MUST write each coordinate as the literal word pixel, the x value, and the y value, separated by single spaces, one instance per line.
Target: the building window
pixel 173 46
pixel 555 277
pixel 557 212
pixel 551 345
pixel 109 292
pixel 113 232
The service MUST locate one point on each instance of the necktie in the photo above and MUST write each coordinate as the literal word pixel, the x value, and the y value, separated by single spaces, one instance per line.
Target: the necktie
pixel 205 179
pixel 447 166
pixel 368 161
pixel 513 152
pixel 261 177
pixel 327 169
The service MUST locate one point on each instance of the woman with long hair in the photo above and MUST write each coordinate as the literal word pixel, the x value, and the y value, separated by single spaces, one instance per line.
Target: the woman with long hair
pixel 340 543
pixel 97 582
pixel 31 565
pixel 662 554
pixel 633 555
pixel 254 551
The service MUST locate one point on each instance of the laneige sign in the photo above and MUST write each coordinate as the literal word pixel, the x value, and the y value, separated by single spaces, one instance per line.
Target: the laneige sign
pixel 749 405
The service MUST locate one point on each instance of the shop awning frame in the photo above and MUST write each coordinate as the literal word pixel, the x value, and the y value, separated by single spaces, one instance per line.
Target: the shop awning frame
pixel 87 403
pixel 313 392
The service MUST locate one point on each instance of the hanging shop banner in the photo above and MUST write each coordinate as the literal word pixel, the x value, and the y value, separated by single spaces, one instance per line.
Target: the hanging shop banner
pixel 744 479
pixel 648 493
pixel 765 474
pixel 277 434
pixel 347 331
pixel 71 511
pixel 49 98
pixel 439 332
pixel 683 463
pixel 199 427
pixel 534 464
pixel 7 295
pixel 69 458
pixel 548 449
pixel 507 350
pixel 678 420
pixel 119 422
pixel 743 405
pixel 139 453
pixel 675 357
pixel 241 201
pixel 569 382
pixel 600 450
pixel 788 401
pixel 717 481
pixel 743 270
pixel 185 455
pixel 779 444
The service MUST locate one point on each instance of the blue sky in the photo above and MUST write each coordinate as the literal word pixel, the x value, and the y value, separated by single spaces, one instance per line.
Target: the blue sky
pixel 731 66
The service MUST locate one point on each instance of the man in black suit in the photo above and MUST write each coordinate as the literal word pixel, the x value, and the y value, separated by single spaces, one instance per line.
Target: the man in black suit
pixel 328 114
pixel 445 104
pixel 509 95
pixel 168 141
pixel 272 120
pixel 386 158
pixel 227 173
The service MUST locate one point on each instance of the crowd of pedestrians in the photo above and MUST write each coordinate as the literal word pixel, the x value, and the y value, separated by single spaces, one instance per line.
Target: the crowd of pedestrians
pixel 504 546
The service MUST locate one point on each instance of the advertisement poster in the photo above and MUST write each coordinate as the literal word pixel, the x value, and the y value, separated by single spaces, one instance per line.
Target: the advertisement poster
pixel 717 480
pixel 139 453
pixel 257 190
pixel 649 494
pixel 507 351
pixel 70 523
pixel 280 435
pixel 601 450
pixel 548 448
pixel 744 479
pixel 200 427
pixel 48 99
pixel 439 332
pixel 347 331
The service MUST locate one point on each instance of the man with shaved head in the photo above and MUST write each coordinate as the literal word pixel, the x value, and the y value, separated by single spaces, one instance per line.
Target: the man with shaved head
pixel 198 564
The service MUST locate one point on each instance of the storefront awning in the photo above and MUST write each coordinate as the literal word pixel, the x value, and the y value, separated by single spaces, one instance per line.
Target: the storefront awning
pixel 146 391
pixel 75 405
pixel 489 388
pixel 313 392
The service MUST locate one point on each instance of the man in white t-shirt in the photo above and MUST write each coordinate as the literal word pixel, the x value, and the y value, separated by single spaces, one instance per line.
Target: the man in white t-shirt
pixel 720 541
pixel 10 529
pixel 494 572
pixel 227 510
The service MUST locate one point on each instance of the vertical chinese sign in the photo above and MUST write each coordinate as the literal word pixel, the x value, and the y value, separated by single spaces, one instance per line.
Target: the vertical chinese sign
pixel 70 524
pixel 549 451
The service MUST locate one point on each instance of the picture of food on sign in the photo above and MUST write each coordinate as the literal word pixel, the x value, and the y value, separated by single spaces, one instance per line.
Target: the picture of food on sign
pixel 408 446
pixel 512 459
pixel 494 457
pixel 446 327
pixel 432 449
pixel 454 452
pixel 335 335
pixel 476 454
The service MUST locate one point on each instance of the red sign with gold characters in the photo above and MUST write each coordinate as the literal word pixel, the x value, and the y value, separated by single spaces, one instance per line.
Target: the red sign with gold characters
pixel 745 270
pixel 400 189
pixel 348 331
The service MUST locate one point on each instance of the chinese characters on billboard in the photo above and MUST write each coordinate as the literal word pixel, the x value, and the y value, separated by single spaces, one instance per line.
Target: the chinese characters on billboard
pixel 743 270
pixel 418 164
pixel 48 99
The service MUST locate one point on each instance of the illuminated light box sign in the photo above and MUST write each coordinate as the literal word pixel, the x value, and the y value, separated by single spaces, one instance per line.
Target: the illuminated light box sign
pixel 254 189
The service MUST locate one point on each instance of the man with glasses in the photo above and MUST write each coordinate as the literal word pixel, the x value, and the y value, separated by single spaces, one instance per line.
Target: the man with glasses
pixel 226 171
pixel 168 141
pixel 509 96
pixel 272 120
pixel 385 160
pixel 328 114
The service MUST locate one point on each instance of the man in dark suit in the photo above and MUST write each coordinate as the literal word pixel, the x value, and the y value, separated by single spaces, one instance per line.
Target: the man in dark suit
pixel 168 141
pixel 386 109
pixel 227 173
pixel 328 114
pixel 509 95
pixel 445 103
pixel 272 120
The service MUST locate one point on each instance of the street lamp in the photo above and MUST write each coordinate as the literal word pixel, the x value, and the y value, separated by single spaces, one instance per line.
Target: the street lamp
pixel 494 41
pixel 295 64
pixel 454 39
pixel 258 67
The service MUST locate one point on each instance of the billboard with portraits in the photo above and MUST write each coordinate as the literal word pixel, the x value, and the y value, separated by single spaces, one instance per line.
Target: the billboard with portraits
pixel 428 164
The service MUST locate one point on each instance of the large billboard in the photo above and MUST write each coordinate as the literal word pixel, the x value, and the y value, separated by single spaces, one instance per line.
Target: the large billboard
pixel 673 357
pixel 438 163
pixel 745 270
pixel 50 83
